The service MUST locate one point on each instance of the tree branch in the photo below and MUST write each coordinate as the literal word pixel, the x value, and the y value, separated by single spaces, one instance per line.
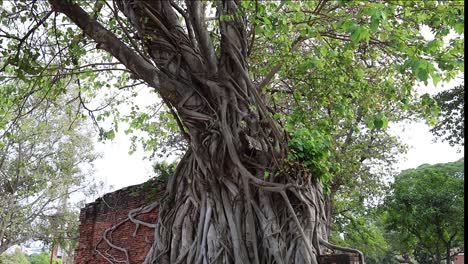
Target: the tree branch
pixel 188 24
pixel 196 13
pixel 278 66
pixel 112 44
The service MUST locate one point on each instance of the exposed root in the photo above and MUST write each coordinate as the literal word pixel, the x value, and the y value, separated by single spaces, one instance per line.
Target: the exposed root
pixel 107 235
pixel 106 255
pixel 345 249
pixel 296 220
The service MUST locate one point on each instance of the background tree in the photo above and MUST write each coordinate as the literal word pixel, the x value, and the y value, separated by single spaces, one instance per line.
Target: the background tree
pixel 364 227
pixel 61 230
pixel 363 231
pixel 16 257
pixel 451 124
pixel 426 209
pixel 44 158
pixel 42 258
pixel 243 80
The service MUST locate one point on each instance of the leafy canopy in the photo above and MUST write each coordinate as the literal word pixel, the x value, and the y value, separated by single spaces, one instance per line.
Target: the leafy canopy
pixel 356 60
pixel 45 156
pixel 451 122
pixel 426 209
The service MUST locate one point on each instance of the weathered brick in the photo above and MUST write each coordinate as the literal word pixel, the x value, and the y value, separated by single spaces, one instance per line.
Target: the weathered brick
pixel 109 210
pixel 348 258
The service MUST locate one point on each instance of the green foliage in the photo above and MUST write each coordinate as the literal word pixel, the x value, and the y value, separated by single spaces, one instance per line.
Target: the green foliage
pixel 450 126
pixel 380 122
pixel 164 169
pixel 45 156
pixel 365 231
pixel 352 77
pixel 426 209
pixel 422 216
pixel 430 108
pixel 17 257
pixel 41 258
pixel 311 150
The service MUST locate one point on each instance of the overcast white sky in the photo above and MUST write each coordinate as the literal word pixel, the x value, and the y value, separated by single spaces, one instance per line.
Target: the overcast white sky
pixel 422 148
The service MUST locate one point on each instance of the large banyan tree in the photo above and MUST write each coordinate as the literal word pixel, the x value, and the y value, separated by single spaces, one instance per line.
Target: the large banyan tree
pixel 251 187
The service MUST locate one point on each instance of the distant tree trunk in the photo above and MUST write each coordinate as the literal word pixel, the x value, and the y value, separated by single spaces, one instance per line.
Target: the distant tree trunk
pixel 53 250
pixel 438 257
pixel 447 253
pixel 447 256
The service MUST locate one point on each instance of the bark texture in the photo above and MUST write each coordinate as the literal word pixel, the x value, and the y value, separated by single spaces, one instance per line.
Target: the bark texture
pixel 219 206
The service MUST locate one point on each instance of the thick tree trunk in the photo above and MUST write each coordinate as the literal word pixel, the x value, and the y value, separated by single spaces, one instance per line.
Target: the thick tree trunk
pixel 329 212
pixel 221 220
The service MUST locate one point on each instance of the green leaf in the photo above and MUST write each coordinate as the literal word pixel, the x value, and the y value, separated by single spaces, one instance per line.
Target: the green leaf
pixel 359 74
pixel 422 69
pixel 277 116
pixel 435 78
pixel 376 16
pixel 459 28
pixel 109 134
pixel 380 121
pixel 360 34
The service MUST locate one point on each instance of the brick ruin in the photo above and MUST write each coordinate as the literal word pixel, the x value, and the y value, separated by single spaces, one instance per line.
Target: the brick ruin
pixel 347 258
pixel 112 209
pixel 459 258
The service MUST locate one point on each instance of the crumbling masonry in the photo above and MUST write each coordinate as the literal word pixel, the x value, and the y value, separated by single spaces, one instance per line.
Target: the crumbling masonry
pixel 112 210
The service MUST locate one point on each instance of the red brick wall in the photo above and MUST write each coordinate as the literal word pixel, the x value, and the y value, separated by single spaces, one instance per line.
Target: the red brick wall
pixel 348 258
pixel 110 210
pixel 459 259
